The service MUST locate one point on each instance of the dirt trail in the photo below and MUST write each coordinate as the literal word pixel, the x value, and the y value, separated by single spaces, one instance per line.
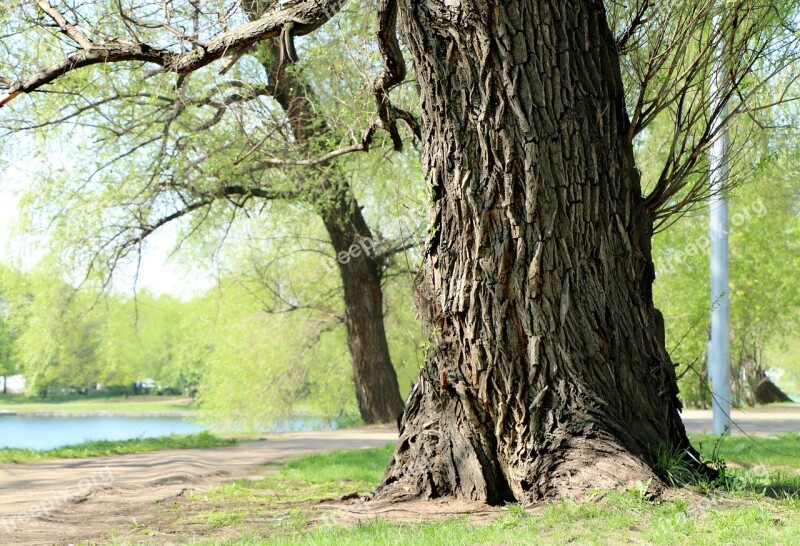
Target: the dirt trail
pixel 67 501
pixel 759 421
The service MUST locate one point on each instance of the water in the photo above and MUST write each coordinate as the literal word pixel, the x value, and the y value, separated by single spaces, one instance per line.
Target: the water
pixel 42 433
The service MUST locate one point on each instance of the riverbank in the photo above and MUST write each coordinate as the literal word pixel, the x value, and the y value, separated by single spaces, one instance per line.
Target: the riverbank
pixel 120 447
pixel 92 499
pixel 132 406
pixel 177 414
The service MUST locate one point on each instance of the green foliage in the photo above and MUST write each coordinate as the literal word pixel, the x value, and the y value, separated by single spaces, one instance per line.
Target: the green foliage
pixel 765 254
pixel 263 365
pixel 253 363
pixel 140 150
pixel 8 330
pixel 154 337
pixel 57 342
pixel 60 337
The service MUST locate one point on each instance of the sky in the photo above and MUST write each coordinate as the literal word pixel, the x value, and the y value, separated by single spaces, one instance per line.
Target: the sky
pixel 158 273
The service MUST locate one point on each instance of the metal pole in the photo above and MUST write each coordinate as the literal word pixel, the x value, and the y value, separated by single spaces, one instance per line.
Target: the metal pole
pixel 719 345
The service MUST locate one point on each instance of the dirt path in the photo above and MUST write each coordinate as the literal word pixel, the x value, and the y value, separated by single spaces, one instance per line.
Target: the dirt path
pixel 67 501
pixel 758 421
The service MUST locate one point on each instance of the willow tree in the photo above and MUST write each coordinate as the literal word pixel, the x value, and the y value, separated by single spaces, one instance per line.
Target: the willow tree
pixel 188 151
pixel 547 373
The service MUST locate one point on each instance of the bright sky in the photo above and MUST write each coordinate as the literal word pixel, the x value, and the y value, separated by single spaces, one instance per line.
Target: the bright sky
pixel 158 273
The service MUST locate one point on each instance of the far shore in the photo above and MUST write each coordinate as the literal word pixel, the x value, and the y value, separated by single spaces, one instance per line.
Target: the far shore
pixel 177 414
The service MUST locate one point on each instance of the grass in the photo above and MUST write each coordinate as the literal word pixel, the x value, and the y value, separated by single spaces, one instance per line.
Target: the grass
pixel 94 404
pixel 97 449
pixel 618 518
pixel 283 508
pixel 778 453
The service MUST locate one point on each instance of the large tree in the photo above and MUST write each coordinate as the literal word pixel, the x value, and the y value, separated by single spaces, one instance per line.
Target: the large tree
pixel 547 373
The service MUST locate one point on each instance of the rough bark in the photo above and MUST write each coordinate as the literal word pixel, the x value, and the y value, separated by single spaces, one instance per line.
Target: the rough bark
pixel 376 385
pixel 548 374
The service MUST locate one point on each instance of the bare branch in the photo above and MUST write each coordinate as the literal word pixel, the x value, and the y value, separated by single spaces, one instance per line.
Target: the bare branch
pixel 395 68
pixel 637 21
pixel 305 17
pixel 70 30
pixel 675 56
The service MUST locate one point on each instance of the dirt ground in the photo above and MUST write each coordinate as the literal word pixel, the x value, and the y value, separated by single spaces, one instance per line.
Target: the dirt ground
pixel 69 501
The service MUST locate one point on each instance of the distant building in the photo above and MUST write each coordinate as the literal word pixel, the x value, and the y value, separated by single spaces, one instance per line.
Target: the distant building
pixel 13 384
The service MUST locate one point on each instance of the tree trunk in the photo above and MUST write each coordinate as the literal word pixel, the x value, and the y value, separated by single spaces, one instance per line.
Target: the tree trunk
pixel 768 392
pixel 377 390
pixel 375 379
pixel 376 385
pixel 548 374
pixel 750 383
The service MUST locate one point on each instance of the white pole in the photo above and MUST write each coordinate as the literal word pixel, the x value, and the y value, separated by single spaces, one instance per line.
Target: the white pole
pixel 719 345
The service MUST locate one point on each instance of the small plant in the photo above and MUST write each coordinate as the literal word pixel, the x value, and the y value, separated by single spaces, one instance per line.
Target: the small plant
pixel 724 480
pixel 716 461
pixel 641 490
pixel 677 467
pixel 791 498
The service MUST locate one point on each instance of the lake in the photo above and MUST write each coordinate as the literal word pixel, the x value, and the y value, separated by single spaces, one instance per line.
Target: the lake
pixel 42 433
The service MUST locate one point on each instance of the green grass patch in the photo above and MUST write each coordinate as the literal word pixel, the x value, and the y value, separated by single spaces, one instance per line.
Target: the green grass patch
pixel 283 508
pixel 312 477
pixel 617 519
pixel 358 469
pixel 99 448
pixel 97 403
pixel 780 452
pixel 284 502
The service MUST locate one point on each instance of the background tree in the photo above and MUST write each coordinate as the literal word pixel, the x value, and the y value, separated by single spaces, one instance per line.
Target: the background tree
pixel 153 337
pixel 60 339
pixel 267 364
pixel 220 146
pixel 250 365
pixel 765 299
pixel 9 364
pixel 56 343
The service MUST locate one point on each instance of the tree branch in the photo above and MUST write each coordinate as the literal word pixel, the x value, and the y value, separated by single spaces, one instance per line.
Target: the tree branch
pixel 395 68
pixel 80 38
pixel 638 20
pixel 305 17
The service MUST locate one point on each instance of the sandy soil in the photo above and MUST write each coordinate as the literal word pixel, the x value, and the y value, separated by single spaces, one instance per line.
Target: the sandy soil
pixel 69 501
